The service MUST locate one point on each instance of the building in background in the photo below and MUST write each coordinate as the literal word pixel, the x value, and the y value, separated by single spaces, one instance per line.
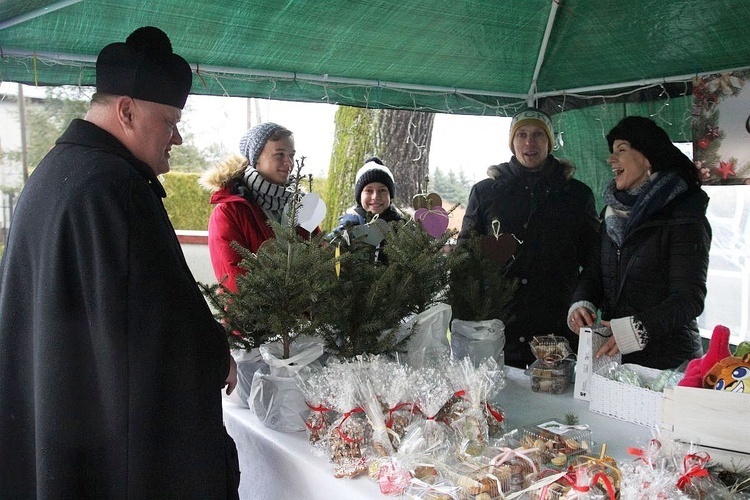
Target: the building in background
pixel 11 167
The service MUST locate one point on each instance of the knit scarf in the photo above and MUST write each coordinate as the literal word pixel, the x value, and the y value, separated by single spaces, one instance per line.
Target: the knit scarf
pixel 271 197
pixel 627 209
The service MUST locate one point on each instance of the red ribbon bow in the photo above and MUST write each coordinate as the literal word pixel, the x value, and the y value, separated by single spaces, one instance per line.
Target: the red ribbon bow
pixel 646 455
pixel 346 416
pixel 693 466
pixel 389 422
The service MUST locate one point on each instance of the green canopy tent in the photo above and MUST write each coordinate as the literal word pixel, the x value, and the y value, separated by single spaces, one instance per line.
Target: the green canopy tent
pixel 587 61
pixel 459 56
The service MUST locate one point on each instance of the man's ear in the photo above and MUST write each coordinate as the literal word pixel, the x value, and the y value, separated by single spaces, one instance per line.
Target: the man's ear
pixel 125 108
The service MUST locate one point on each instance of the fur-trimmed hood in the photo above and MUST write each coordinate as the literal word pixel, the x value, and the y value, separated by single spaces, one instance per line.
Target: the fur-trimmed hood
pixel 569 168
pixel 223 173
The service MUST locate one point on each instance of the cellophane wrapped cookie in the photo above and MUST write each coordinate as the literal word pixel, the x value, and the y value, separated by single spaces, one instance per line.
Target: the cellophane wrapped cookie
pixel 317 392
pixel 651 473
pixel 493 411
pixel 432 389
pixel 350 433
pixel 694 477
pixel 379 444
pixel 495 416
pixel 453 409
pixel 413 460
pixel 471 426
pixel 392 384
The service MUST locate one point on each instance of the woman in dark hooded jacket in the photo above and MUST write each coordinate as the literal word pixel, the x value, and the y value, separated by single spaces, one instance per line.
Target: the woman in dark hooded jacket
pixel 649 275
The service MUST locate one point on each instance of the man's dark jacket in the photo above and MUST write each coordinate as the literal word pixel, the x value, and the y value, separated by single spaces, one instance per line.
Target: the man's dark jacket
pixel 555 217
pixel 111 365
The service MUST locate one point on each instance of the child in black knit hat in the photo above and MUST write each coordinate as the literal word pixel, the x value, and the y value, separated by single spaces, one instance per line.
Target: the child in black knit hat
pixel 374 189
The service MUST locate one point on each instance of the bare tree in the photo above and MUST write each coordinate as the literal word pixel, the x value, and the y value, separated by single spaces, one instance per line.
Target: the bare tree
pixel 403 143
pixel 400 138
pixel 353 143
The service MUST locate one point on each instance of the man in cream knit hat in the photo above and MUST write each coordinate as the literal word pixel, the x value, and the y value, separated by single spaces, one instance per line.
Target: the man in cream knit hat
pixel 552 216
pixel 536 118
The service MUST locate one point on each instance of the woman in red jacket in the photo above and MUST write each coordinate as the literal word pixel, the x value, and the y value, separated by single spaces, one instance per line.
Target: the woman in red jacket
pixel 248 190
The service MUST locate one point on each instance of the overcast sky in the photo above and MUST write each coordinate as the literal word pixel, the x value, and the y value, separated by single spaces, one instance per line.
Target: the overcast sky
pixel 459 142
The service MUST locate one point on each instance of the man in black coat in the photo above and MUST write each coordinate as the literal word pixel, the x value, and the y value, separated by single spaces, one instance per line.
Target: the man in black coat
pixel 552 216
pixel 111 363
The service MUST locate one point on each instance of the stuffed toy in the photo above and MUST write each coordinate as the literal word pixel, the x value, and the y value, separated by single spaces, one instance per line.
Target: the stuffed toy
pixel 730 374
pixel 742 349
pixel 718 349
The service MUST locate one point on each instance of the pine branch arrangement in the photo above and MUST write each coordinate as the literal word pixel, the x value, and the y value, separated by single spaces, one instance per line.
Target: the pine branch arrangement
pixel 286 280
pixel 479 288
pixel 292 288
pixel 240 338
pixel 374 298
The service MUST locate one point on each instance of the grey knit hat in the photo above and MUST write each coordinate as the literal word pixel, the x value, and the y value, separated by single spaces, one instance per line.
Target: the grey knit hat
pixel 373 171
pixel 255 139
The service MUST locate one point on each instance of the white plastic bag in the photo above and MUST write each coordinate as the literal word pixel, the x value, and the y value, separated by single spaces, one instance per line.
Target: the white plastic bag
pixel 275 397
pixel 302 352
pixel 430 342
pixel 248 362
pixel 478 340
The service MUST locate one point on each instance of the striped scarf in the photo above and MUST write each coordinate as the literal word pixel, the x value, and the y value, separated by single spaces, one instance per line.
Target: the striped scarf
pixel 271 197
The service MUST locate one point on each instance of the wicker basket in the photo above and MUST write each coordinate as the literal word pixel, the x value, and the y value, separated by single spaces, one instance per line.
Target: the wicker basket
pixel 625 401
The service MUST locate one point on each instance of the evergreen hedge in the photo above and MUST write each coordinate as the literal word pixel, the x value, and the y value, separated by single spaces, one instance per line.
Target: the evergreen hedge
pixel 187 203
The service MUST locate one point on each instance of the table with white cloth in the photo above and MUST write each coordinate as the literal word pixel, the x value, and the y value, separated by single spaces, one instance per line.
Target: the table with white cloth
pixel 276 465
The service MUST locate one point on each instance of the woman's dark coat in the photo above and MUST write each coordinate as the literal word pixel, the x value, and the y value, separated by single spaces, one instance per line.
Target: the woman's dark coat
pixel 111 364
pixel 556 220
pixel 658 275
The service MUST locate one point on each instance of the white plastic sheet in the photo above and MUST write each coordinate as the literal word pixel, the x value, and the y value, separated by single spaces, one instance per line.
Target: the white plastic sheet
pixel 430 342
pixel 478 340
pixel 275 397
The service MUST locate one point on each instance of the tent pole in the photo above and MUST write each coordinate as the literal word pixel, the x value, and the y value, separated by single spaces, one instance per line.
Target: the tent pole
pixel 543 50
pixel 32 14
pixel 91 60
pixel 284 75
pixel 637 83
